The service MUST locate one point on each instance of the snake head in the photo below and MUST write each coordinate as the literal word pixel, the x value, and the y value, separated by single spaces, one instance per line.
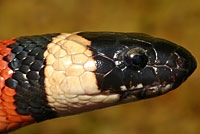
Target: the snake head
pixel 138 66
pixel 154 67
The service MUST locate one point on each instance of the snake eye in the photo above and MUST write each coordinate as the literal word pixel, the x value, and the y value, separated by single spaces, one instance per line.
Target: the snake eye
pixel 136 58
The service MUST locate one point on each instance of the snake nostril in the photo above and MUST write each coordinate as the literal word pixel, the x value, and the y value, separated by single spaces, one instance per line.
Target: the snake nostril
pixel 179 61
pixel 185 60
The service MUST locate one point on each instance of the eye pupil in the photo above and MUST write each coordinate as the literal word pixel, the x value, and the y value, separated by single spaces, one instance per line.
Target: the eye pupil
pixel 136 60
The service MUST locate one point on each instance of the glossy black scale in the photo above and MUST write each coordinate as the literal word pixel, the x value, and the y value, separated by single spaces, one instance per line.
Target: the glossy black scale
pixel 28 64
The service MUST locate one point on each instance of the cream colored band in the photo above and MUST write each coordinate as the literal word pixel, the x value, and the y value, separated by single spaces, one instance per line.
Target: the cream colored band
pixel 70 81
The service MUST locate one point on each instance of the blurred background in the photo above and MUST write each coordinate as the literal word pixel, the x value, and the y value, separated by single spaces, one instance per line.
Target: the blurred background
pixel 178 21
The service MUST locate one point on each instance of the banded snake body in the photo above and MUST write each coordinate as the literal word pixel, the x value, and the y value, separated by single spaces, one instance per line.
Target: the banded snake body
pixel 53 75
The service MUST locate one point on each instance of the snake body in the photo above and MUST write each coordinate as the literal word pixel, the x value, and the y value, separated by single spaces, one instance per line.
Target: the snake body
pixel 53 75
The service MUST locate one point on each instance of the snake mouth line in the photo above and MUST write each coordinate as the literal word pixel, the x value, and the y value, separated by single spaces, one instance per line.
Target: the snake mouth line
pixel 148 91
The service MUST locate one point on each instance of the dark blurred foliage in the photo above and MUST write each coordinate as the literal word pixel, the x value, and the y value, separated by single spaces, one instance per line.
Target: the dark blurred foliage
pixel 178 112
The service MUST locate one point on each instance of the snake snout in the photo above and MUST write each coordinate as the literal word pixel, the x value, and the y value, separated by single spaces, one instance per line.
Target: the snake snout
pixel 184 65
pixel 186 61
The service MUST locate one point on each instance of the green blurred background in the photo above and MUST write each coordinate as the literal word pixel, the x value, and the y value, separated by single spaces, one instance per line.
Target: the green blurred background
pixel 176 20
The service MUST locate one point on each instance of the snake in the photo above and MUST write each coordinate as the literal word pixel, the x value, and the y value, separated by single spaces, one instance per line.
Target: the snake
pixel 61 74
